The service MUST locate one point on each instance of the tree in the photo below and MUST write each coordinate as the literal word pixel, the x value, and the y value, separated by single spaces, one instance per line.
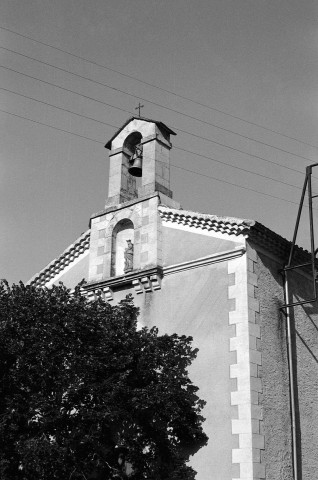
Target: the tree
pixel 87 395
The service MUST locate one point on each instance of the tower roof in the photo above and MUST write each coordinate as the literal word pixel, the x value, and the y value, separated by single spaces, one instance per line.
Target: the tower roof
pixel 160 125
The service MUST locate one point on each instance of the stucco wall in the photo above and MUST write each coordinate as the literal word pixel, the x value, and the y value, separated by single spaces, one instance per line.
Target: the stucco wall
pixel 306 346
pixel 182 245
pixel 275 398
pixel 195 303
pixel 274 374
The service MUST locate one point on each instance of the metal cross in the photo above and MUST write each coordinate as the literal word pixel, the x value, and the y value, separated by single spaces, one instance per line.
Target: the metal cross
pixel 139 107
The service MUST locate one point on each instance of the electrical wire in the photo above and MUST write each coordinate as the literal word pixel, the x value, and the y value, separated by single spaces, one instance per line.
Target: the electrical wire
pixel 239 186
pixel 160 88
pixel 50 126
pixel 158 105
pixel 173 165
pixel 66 89
pixel 59 108
pixel 238 168
pixel 176 147
pixel 183 131
pixel 246 153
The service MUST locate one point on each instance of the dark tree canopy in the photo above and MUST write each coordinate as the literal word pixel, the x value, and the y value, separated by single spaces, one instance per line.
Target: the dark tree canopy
pixel 86 395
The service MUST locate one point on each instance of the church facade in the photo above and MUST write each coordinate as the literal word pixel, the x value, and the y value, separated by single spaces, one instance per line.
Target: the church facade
pixel 216 279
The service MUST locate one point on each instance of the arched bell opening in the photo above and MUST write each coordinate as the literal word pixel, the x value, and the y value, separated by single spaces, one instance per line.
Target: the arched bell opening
pixel 122 259
pixel 134 149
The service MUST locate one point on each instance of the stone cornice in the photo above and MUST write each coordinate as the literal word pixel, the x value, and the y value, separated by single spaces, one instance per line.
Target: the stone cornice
pixel 202 262
pixel 142 280
pixel 150 279
pixel 126 279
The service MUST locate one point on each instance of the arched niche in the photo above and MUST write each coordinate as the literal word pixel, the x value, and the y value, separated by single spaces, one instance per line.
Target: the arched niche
pixel 122 233
pixel 132 141
pixel 133 148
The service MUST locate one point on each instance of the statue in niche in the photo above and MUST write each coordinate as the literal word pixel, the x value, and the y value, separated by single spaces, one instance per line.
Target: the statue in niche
pixel 129 256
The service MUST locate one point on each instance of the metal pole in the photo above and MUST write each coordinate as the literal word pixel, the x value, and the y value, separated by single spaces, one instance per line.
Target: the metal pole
pixel 311 223
pixel 288 305
pixel 298 220
pixel 291 377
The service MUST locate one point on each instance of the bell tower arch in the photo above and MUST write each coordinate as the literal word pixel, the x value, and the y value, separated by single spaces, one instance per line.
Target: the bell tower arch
pixel 133 146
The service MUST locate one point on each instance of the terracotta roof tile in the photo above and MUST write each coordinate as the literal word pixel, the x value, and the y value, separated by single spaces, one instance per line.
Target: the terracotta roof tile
pixel 59 263
pixel 251 229
pixel 229 225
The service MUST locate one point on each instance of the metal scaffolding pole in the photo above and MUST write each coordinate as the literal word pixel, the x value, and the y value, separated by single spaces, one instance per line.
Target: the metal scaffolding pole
pixel 289 305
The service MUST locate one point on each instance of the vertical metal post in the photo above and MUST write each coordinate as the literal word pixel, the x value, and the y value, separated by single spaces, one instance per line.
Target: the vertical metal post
pixel 289 304
pixel 311 223
pixel 288 308
pixel 291 376
pixel 297 221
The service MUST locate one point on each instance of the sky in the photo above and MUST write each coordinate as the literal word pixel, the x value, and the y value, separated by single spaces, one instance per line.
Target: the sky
pixel 235 79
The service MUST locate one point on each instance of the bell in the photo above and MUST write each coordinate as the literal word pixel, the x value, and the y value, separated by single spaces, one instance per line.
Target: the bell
pixel 135 168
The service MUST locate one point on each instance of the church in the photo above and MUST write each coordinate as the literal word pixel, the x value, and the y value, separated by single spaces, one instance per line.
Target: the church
pixel 217 279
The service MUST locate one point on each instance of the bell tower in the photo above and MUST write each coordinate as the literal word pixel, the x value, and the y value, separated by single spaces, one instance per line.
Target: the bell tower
pixel 139 160
pixel 126 237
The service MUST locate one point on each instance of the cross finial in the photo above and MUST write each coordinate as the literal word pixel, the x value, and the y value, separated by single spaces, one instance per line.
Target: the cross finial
pixel 139 107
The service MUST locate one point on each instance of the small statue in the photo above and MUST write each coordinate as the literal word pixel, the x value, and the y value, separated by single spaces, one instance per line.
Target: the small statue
pixel 129 257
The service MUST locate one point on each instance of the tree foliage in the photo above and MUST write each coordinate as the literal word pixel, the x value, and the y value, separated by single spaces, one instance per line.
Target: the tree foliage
pixel 87 395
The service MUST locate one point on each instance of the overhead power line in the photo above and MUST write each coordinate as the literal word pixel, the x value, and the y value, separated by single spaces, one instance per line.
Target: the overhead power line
pixel 51 126
pixel 157 105
pixel 245 153
pixel 178 129
pixel 92 62
pixel 66 89
pixel 239 168
pixel 176 147
pixel 239 186
pixel 58 108
pixel 173 165
pixel 180 113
